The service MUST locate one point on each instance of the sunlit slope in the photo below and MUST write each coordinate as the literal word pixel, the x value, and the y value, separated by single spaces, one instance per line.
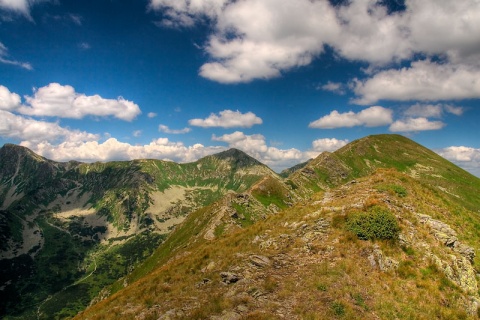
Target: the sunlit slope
pixel 362 157
pixel 310 261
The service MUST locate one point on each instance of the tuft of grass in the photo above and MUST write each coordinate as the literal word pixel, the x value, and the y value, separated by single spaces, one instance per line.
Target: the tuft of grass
pixel 338 308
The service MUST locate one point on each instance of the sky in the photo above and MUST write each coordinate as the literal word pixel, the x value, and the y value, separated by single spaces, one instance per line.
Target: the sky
pixel 283 80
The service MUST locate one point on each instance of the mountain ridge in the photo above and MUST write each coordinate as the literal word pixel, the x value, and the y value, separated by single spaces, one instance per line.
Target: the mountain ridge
pixel 221 210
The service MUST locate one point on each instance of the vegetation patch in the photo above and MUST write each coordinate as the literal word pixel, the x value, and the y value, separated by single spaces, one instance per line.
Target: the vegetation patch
pixel 393 189
pixel 376 223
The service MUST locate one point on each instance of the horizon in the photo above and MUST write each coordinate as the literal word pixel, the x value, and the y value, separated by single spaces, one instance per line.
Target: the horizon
pixel 178 80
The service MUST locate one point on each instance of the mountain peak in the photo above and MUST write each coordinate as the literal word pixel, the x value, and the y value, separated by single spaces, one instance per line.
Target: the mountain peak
pixel 238 157
pixel 10 150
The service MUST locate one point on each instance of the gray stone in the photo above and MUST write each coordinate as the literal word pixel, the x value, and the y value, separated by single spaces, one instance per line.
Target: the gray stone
pixel 260 261
pixel 230 277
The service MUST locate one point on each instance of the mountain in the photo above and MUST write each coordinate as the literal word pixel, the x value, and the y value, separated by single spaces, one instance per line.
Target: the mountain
pixel 382 228
pixel 70 229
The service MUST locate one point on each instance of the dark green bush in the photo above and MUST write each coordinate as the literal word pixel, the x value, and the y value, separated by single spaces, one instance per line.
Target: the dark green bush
pixel 376 223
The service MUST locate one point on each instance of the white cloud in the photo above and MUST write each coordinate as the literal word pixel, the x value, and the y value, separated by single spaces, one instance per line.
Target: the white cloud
pixel 166 129
pixel 335 87
pixel 465 157
pixel 458 111
pixel 260 39
pixel 415 124
pixel 21 6
pixel 371 117
pixel 17 127
pixel 281 37
pixel 8 100
pixel 151 115
pixel 328 144
pixel 423 80
pixel 56 100
pixel 4 59
pixel 112 149
pixel 228 119
pixel 432 110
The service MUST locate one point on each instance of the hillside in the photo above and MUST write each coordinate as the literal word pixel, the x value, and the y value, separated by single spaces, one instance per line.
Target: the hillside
pixel 70 229
pixel 382 228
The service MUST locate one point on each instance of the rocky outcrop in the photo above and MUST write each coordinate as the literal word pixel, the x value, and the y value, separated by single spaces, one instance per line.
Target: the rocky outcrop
pixel 458 267
pixel 447 236
pixel 458 270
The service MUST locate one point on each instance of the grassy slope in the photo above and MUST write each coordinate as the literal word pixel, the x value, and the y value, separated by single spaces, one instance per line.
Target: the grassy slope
pixel 332 268
pixel 110 184
pixel 312 275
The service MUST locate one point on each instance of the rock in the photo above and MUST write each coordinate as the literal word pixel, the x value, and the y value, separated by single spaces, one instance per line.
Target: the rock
pixel 441 231
pixel 472 306
pixel 260 261
pixel 466 251
pixel 242 308
pixel 209 267
pixel 203 282
pixel 447 236
pixel 458 270
pixel 384 263
pixel 229 277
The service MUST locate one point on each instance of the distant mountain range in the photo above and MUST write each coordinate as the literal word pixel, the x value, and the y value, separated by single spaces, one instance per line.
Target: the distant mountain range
pixel 363 232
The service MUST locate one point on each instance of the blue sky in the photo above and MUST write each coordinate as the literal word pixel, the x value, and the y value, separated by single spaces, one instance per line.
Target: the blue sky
pixel 283 80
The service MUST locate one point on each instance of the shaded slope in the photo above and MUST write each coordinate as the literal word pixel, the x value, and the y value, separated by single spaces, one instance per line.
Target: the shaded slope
pixel 91 217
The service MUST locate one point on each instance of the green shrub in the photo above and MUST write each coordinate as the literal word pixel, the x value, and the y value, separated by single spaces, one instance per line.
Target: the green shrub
pixel 376 223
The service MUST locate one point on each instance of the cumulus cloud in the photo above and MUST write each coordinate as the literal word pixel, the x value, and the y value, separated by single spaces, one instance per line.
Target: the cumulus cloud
pixel 112 149
pixel 228 119
pixel 260 39
pixel 4 58
pixel 56 100
pixel 151 115
pixel 371 117
pixel 415 124
pixel 432 110
pixel 166 129
pixel 327 144
pixel 423 80
pixel 17 127
pixel 9 101
pixel 465 157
